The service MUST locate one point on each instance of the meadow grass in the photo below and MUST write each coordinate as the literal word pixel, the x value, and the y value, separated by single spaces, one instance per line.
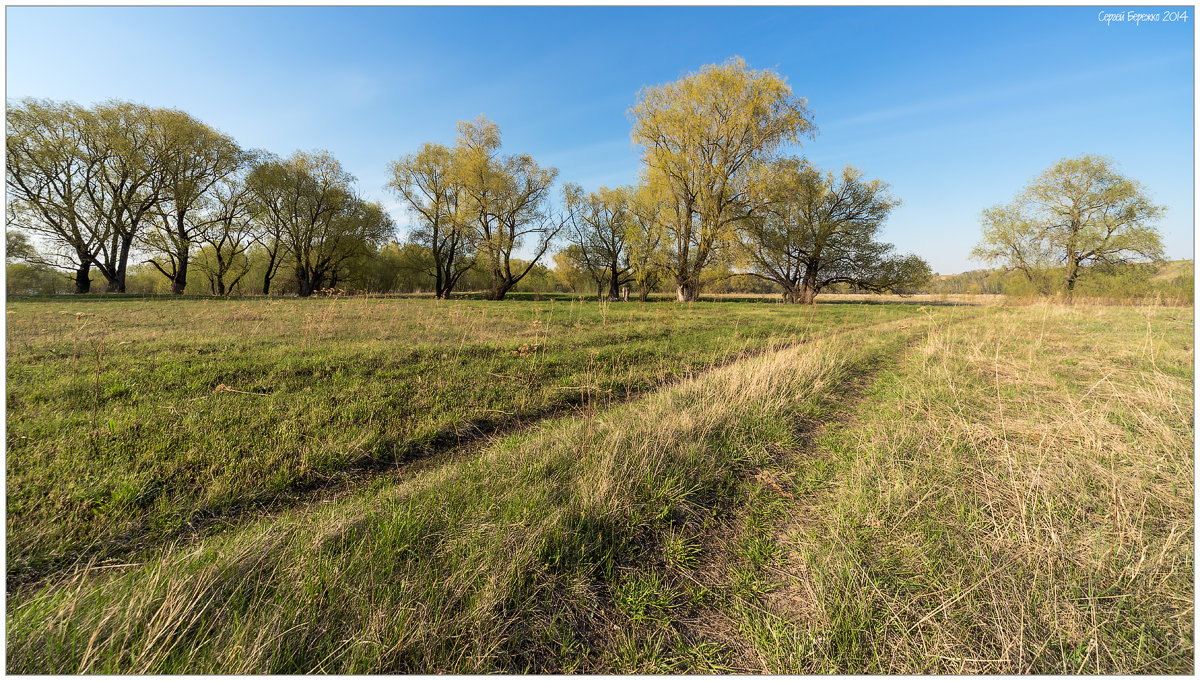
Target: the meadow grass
pixel 1015 496
pixel 132 421
pixel 912 489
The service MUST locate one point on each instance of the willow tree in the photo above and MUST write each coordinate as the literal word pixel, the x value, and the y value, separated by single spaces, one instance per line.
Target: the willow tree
pixel 1079 212
pixel 702 136
pixel 229 231
pixel 197 158
pixel 322 224
pixel 599 225
pixel 505 200
pixel 431 187
pixel 90 178
pixel 137 145
pixel 815 229
pixel 47 172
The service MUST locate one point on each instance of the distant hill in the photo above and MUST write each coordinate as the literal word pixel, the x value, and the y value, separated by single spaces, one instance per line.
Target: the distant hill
pixel 1175 268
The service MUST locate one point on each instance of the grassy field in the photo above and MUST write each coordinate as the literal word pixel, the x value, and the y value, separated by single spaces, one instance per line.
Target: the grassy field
pixel 135 421
pixel 350 485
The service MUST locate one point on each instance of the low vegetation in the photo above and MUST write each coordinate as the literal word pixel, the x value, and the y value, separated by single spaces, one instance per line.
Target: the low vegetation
pixel 137 420
pixel 858 489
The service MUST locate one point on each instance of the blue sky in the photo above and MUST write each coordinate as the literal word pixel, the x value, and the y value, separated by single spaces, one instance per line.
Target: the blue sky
pixel 956 107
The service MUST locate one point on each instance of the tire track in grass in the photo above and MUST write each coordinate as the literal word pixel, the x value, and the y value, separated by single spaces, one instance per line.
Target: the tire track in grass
pixel 724 618
pixel 125 550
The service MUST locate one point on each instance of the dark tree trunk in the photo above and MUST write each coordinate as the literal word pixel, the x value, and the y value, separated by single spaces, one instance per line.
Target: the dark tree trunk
pixel 614 288
pixel 179 283
pixel 304 287
pixel 123 264
pixel 807 292
pixel 1072 274
pixel 498 290
pixel 83 282
pixel 266 287
pixel 500 284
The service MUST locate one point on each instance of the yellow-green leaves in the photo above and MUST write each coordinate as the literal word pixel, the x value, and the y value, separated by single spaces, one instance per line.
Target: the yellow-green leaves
pixel 1080 211
pixel 702 136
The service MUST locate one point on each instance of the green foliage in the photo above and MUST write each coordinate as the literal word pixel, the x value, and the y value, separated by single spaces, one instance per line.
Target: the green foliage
pixel 24 279
pixel 702 137
pixel 816 229
pixel 1079 212
pixel 1129 282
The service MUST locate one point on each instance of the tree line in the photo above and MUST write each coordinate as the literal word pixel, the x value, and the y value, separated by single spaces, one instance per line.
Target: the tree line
pixel 716 199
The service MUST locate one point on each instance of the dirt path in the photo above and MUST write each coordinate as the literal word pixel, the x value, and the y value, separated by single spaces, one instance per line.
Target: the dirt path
pixel 723 621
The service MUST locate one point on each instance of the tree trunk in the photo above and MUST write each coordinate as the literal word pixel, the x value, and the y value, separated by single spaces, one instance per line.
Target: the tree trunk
pixel 304 286
pixel 123 265
pixel 642 294
pixel 83 282
pixel 1072 274
pixel 807 294
pixel 614 291
pixel 686 293
pixel 499 289
pixel 180 281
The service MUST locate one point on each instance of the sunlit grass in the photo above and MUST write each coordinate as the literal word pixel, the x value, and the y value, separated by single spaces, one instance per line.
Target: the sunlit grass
pixel 912 489
pixel 133 420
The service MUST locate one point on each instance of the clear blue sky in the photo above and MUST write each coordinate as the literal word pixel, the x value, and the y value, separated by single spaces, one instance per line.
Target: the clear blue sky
pixel 957 107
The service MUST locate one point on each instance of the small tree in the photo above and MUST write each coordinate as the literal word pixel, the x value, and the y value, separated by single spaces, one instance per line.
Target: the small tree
pixel 320 221
pixel 815 229
pixel 1079 212
pixel 48 171
pixel 598 226
pixel 228 233
pixel 505 199
pixel 199 158
pixel 645 238
pixel 431 187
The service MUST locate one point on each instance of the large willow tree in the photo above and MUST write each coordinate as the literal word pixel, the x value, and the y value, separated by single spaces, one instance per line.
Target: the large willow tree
pixel 702 137
pixel 1079 212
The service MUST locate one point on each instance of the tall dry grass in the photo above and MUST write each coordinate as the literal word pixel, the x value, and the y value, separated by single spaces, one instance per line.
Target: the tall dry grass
pixel 1015 497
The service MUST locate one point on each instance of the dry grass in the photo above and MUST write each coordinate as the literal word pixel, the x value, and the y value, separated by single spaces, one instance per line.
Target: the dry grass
pixel 1016 497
